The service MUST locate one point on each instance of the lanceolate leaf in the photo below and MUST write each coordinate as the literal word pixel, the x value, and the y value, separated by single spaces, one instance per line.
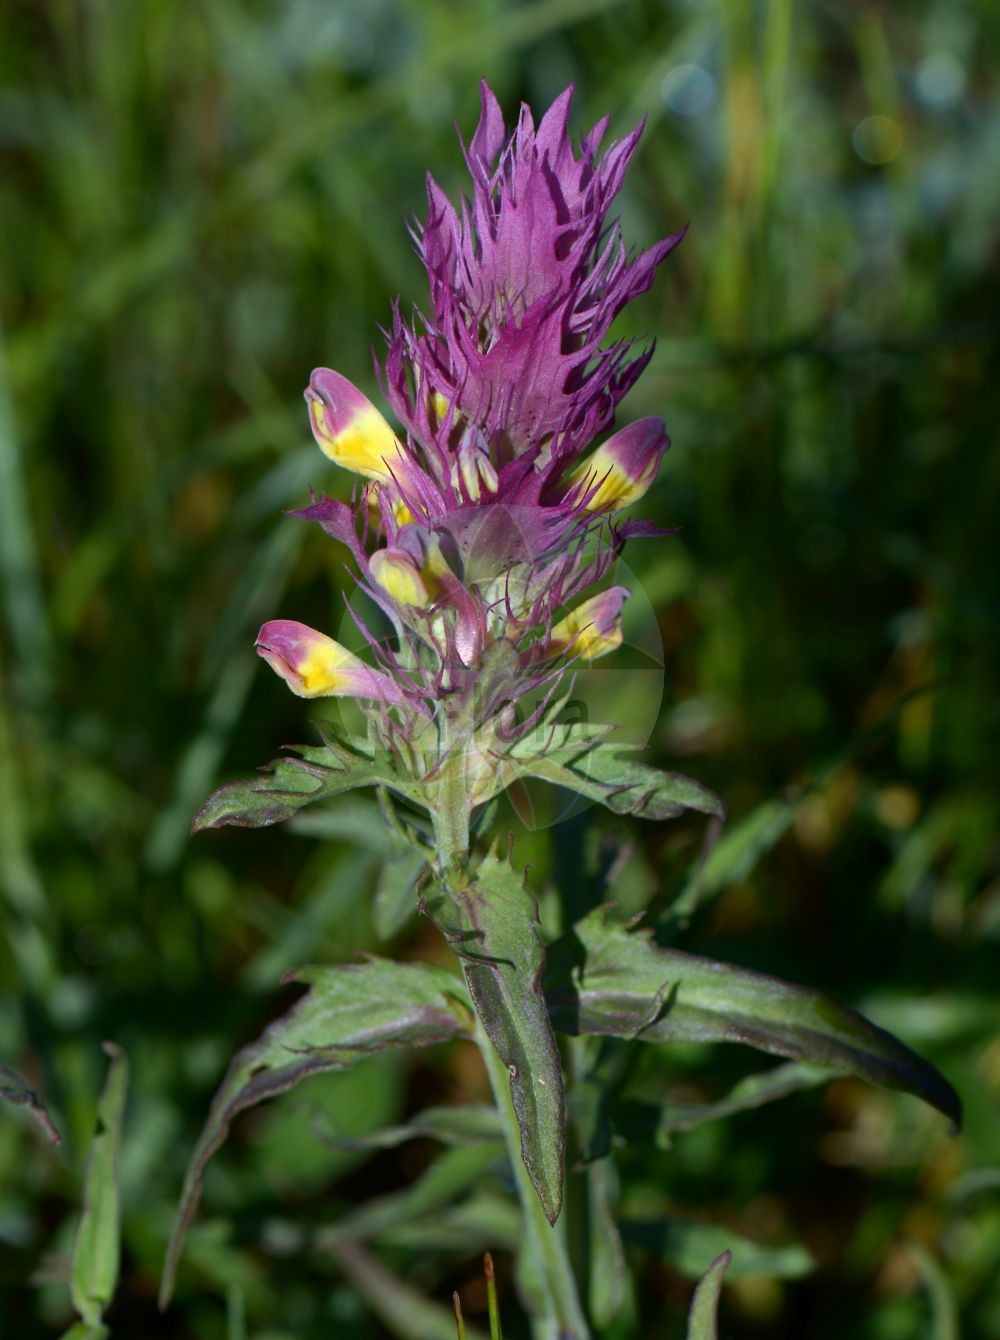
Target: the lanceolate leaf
pixel 945 1324
pixel 450 1175
pixel 687 1245
pixel 737 852
pixel 351 1011
pixel 95 1253
pixel 492 926
pixel 471 1124
pixel 702 1319
pixel 644 1121
pixel 606 1271
pixel 288 784
pixel 405 1311
pixel 486 1219
pixel 610 773
pixel 606 979
pixel 13 1089
pixel 395 894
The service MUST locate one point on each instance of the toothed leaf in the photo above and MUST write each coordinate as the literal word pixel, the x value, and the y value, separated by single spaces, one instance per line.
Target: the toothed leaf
pixel 290 783
pixel 610 773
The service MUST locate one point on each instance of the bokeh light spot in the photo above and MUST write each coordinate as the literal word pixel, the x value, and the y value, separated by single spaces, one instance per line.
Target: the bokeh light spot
pixel 877 139
pixel 940 79
pixel 688 90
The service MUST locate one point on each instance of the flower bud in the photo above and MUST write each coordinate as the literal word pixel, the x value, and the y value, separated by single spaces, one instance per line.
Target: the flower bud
pixel 398 574
pixel 350 430
pixel 475 471
pixel 314 666
pixel 621 470
pixel 592 629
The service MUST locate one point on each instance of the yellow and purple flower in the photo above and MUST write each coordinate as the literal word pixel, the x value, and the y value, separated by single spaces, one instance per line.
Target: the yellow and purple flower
pixel 592 629
pixel 623 468
pixel 315 666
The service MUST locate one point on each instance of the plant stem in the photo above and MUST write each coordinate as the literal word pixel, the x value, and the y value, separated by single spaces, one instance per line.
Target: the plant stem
pixel 450 812
pixel 564 1318
pixel 451 819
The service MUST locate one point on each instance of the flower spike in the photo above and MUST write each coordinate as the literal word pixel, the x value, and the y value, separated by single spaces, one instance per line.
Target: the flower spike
pixel 480 522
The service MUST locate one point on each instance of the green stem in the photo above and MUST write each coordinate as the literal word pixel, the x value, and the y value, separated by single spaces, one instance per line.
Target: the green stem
pixel 450 812
pixel 451 819
pixel 564 1318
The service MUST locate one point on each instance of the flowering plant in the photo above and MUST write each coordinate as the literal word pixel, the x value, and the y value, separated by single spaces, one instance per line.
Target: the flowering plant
pixel 479 528
pixel 483 531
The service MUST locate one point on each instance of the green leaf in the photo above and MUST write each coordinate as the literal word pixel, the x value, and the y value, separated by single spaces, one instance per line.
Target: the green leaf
pixel 396 892
pixel 589 1097
pixel 493 927
pixel 471 1124
pixel 403 1310
pixel 746 841
pixel 451 1174
pixel 96 1250
pixel 13 1089
pixel 361 822
pixel 528 1274
pixel 588 1102
pixel 459 1319
pixel 702 1319
pixel 485 1219
pixel 287 784
pixel 492 1301
pixel 736 853
pixel 607 979
pixel 608 773
pixel 687 1245
pixel 81 1331
pixel 350 1011
pixel 345 882
pixel 944 1305
pixel 606 1268
pixel 658 1121
pixel 357 820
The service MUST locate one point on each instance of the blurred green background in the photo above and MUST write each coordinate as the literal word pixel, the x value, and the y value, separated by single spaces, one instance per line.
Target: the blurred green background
pixel 198 204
